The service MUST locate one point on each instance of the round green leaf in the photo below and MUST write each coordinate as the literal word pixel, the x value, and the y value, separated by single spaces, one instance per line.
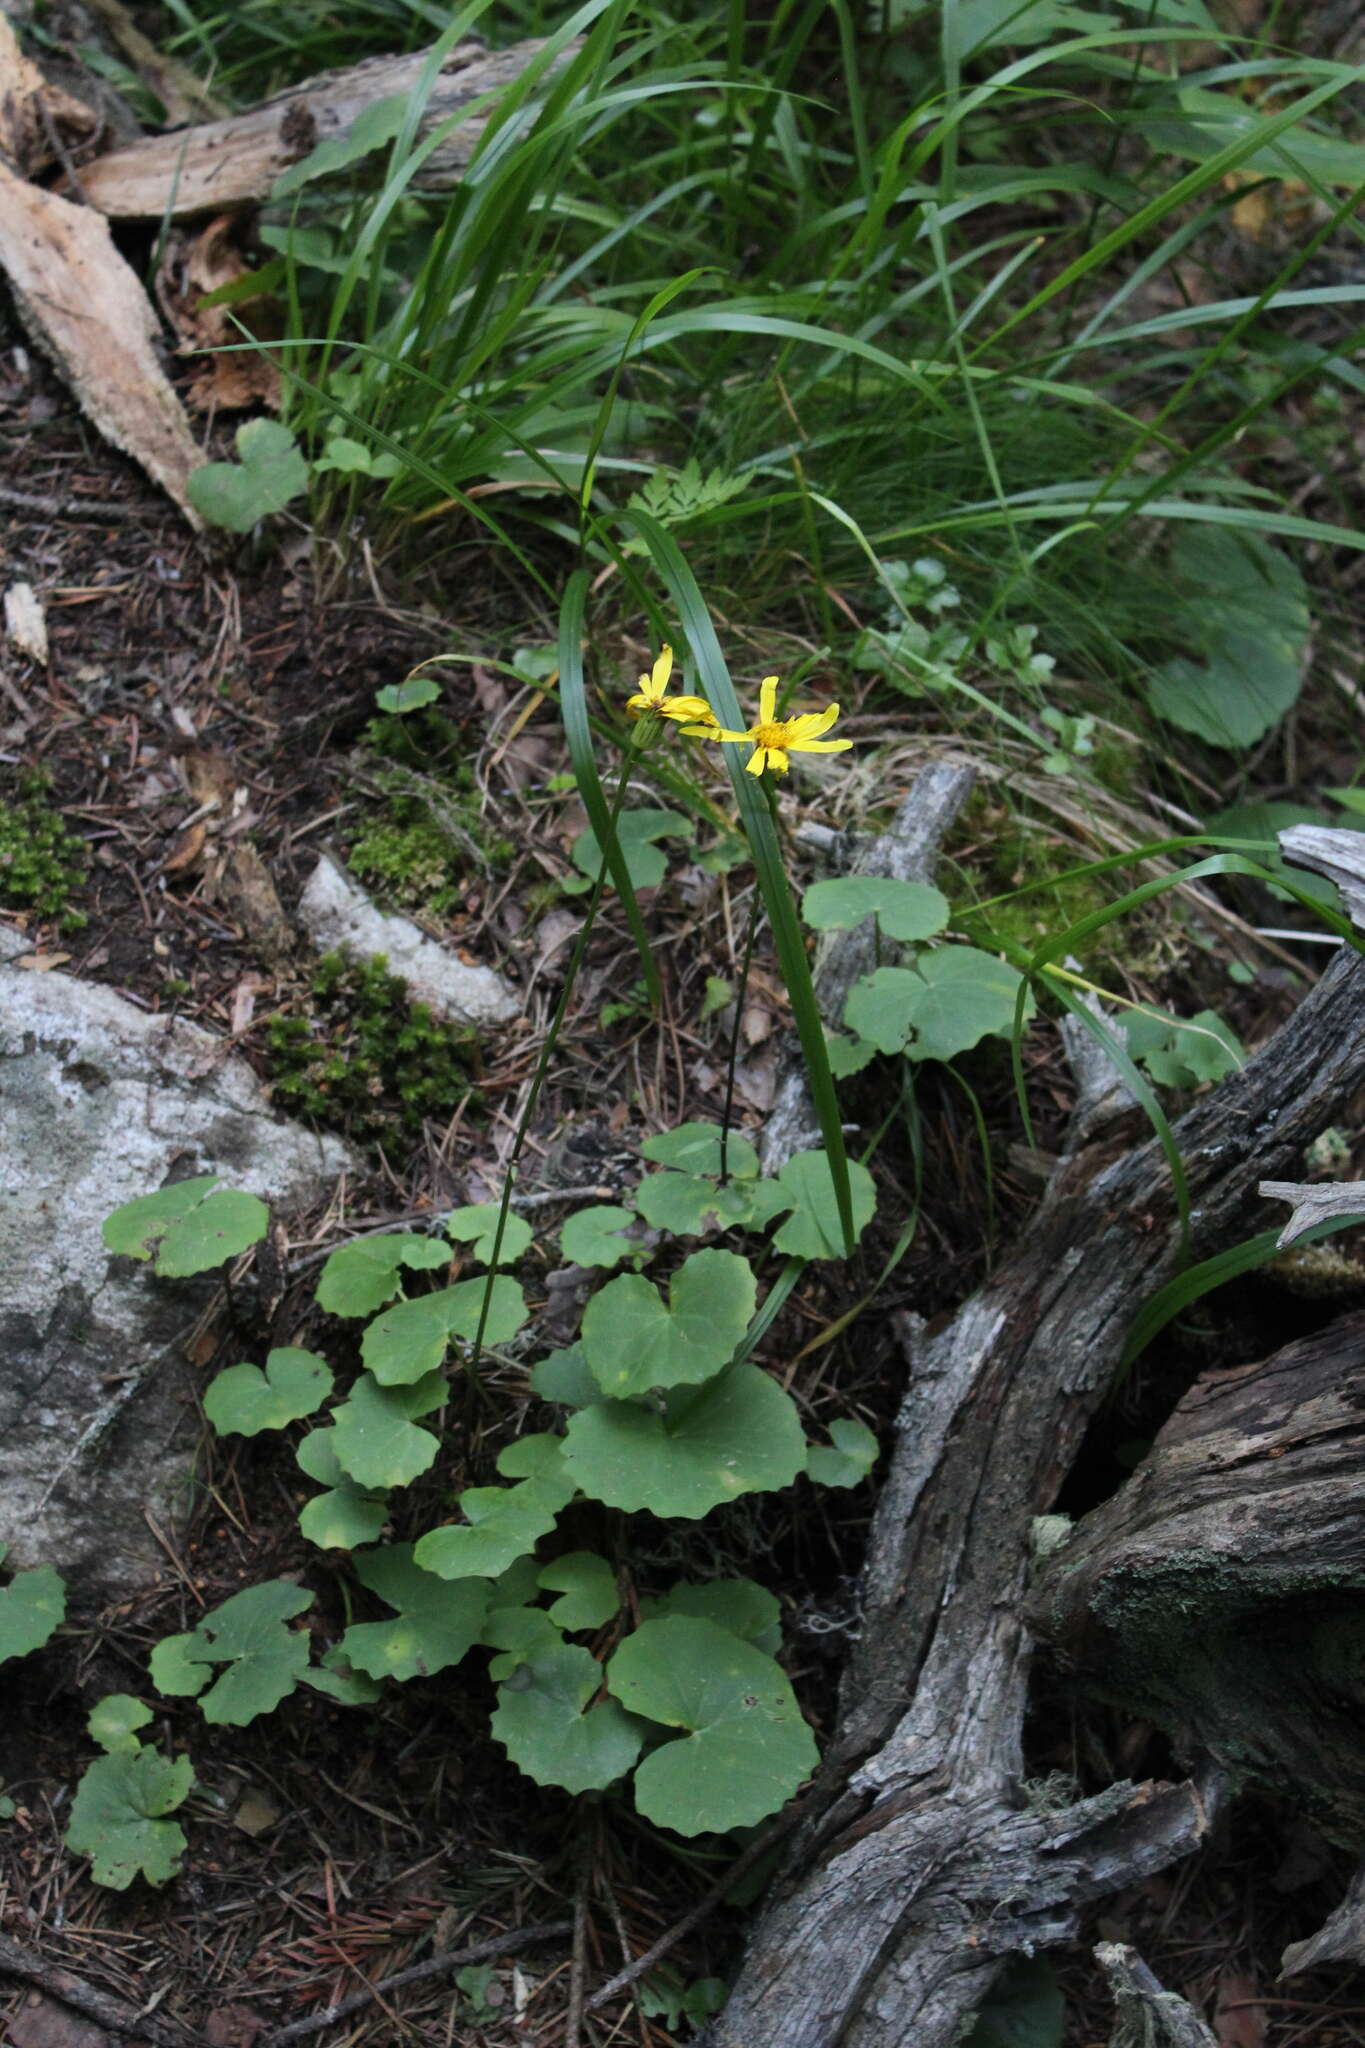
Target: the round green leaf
pixel 178 1666
pixel 564 1377
pixel 805 1186
pixel 409 1340
pixel 739 1434
pixel 375 1434
pixel 593 1237
pixel 519 1633
pixel 243 1400
pixel 687 1204
pixel 117 1817
pixel 904 910
pixel 196 1228
pixel 951 999
pixel 747 1748
pixel 696 1147
pixel 435 1625
pixel 362 1276
pixel 32 1608
pixel 113 1721
pixel 268 474
pixel 633 1341
pixel 848 1055
pixel 587 1584
pixel 503 1522
pixel 739 1606
pixel 477 1226
pixel 542 1723
pixel 970 995
pixel 264 1658
pixel 853 1454
pixel 335 1677
pixel 412 694
pixel 346 1515
pixel 636 831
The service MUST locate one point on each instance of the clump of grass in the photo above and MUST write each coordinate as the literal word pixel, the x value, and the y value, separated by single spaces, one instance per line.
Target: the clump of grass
pixel 42 862
pixel 364 1058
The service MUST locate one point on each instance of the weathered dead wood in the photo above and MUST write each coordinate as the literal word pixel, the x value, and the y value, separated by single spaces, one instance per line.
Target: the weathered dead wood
pixel 906 851
pixel 926 1867
pixel 1148 2015
pixel 1340 1940
pixel 1314 1202
pixel 82 303
pixel 1221 1592
pixel 1338 855
pixel 34 113
pixel 232 162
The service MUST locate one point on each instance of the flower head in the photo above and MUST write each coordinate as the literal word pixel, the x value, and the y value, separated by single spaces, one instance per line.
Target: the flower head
pixel 651 696
pixel 773 738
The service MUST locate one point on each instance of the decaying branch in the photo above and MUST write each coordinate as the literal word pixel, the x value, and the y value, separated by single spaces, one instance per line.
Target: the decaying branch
pixel 925 1867
pixel 906 851
pixel 233 162
pixel 1314 1202
pixel 1148 2016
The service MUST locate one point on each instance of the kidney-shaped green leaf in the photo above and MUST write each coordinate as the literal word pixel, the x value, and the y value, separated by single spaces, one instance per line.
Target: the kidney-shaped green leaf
pixel 346 1515
pixel 740 1606
pixel 587 1586
pixel 264 1657
pixel 545 1724
pixel 503 1522
pixel 696 1148
pixel 738 1434
pixel 362 1276
pixel 746 1749
pixel 633 1341
pixel 32 1607
pixel 946 1003
pixel 409 1339
pixel 375 1434
pixel 805 1187
pixel 904 910
pixel 435 1625
pixel 117 1817
pixel 196 1223
pixel 592 1237
pixel 243 1400
pixel 477 1226
pixel 849 1457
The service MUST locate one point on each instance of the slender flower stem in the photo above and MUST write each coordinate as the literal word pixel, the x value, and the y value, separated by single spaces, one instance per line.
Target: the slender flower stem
pixel 639 737
pixel 755 903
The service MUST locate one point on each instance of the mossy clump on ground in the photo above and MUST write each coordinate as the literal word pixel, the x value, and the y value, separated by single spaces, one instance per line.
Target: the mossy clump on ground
pixel 409 858
pixel 42 862
pixel 365 1058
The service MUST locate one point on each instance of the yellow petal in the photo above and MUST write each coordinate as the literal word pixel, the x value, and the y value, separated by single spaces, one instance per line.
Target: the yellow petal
pixel 663 669
pixel 811 724
pixel 819 746
pixel 721 732
pixel 687 707
pixel 757 761
pixel 767 700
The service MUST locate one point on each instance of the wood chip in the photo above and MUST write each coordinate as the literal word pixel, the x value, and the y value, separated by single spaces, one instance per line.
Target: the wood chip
pixel 26 621
pixel 31 110
pixel 82 303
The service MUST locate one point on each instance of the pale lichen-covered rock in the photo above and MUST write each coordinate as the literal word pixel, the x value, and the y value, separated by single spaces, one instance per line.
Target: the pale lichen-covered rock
pixel 100 1102
pixel 340 916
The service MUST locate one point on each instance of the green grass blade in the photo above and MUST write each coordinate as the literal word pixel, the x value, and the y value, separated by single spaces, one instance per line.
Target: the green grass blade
pixel 573 708
pixel 713 676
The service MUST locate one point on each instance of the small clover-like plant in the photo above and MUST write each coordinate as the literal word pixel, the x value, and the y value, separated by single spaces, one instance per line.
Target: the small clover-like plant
pixel 190 1226
pixel 119 1814
pixel 1182 1055
pixel 638 833
pixel 366 1274
pixel 32 1609
pixel 269 474
pixel 477 1225
pixel 597 1236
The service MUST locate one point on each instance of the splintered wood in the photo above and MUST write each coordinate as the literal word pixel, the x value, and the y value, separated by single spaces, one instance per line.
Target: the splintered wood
pixel 82 303
pixel 234 162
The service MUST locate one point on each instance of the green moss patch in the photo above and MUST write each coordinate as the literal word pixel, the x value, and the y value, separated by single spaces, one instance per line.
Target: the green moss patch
pixel 42 862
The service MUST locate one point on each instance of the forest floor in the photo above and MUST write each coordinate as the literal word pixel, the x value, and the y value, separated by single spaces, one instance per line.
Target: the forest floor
pixel 319 1866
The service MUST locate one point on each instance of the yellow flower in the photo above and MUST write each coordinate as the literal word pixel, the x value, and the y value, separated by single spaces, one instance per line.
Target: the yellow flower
pixel 774 738
pixel 651 696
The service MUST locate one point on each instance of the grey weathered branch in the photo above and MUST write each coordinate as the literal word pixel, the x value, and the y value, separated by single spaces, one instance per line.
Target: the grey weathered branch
pixel 1340 856
pixel 1340 1940
pixel 906 851
pixel 236 161
pixel 923 1867
pixel 1314 1202
pixel 1148 2015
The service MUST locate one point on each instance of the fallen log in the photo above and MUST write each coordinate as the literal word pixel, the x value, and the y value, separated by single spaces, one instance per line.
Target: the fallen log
pixel 923 1865
pixel 237 161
